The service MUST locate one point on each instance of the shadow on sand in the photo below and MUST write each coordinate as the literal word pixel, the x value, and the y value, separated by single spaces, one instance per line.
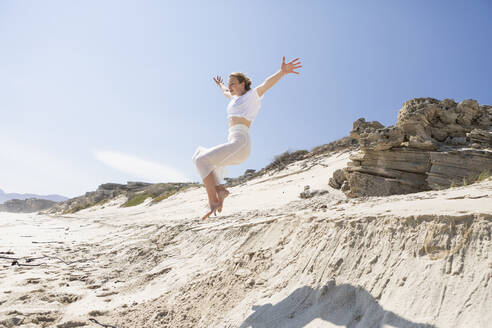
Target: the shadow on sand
pixel 342 305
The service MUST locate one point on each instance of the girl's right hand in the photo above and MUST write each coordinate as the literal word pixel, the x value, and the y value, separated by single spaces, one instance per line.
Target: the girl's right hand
pixel 290 66
pixel 218 80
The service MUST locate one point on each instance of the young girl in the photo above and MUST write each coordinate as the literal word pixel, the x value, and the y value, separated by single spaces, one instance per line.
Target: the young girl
pixel 242 110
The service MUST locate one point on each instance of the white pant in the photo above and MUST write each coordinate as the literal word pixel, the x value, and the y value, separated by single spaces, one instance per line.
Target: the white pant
pixel 234 152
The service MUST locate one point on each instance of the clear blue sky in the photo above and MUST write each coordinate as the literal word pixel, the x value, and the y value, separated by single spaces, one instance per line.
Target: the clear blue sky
pixel 115 91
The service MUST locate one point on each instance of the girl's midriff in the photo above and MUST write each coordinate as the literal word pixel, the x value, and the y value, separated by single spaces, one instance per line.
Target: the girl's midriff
pixel 233 120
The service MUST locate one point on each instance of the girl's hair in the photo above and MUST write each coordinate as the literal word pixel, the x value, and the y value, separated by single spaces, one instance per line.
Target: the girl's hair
pixel 242 78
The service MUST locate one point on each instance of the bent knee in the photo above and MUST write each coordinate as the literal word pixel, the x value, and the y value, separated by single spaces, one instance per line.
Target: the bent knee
pixel 200 160
pixel 198 152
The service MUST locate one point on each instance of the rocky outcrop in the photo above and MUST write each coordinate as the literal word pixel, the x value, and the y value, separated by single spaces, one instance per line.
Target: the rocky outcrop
pixel 374 136
pixel 26 205
pixel 480 138
pixel 135 192
pixel 338 179
pixel 433 145
pixel 381 173
pixel 309 193
pixel 458 167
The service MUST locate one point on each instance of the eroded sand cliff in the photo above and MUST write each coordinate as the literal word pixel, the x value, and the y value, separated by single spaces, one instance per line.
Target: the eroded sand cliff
pixel 270 259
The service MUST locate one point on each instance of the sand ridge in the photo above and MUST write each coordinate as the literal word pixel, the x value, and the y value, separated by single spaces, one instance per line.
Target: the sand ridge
pixel 270 259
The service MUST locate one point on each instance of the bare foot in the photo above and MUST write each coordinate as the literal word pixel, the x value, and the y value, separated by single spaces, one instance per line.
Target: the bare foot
pixel 222 193
pixel 213 208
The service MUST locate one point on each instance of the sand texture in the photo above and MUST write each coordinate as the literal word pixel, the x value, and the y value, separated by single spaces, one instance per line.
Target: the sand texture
pixel 270 259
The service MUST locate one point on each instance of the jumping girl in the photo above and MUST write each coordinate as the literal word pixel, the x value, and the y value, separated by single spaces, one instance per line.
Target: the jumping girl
pixel 242 110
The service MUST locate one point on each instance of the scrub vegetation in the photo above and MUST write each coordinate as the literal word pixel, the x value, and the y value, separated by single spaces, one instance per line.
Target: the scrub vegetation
pixel 470 180
pixel 135 193
pixel 157 194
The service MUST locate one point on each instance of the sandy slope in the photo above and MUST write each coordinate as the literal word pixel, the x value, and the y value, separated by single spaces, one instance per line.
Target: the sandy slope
pixel 270 259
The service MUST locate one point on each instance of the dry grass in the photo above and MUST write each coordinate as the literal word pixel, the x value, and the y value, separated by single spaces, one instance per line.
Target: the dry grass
pixel 136 199
pixel 465 181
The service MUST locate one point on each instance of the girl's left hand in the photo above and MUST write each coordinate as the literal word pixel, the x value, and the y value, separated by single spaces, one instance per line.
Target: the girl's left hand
pixel 290 66
pixel 218 80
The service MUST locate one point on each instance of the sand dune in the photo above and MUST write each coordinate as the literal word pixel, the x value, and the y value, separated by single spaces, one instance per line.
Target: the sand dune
pixel 270 259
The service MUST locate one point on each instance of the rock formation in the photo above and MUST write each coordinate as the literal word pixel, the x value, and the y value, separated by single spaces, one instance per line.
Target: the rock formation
pixel 26 205
pixel 433 145
pixel 308 193
pixel 108 191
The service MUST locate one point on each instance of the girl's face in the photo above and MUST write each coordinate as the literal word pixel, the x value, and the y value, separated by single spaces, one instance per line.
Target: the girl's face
pixel 235 88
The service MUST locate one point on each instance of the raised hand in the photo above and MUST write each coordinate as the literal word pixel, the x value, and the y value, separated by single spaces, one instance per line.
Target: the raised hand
pixel 290 66
pixel 218 80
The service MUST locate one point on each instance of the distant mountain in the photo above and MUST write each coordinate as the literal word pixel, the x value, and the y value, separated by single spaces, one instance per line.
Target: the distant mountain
pixel 8 196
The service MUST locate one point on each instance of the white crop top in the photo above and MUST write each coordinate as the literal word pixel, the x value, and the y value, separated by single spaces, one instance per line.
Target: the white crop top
pixel 246 106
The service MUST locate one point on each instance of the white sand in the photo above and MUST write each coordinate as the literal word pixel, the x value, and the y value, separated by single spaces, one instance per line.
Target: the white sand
pixel 270 259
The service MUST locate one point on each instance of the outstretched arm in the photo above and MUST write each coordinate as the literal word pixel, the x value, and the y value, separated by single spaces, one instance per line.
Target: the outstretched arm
pixel 220 84
pixel 284 70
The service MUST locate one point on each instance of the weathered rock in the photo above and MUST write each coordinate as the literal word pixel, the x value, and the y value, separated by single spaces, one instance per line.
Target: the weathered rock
pixel 421 142
pixel 362 184
pixel 308 193
pixel 430 146
pixel 430 118
pixel 392 170
pixel 11 322
pixel 111 186
pixel 26 205
pixel 345 186
pixel 400 159
pixel 457 166
pixel 416 115
pixel 338 179
pixel 374 136
pixel 456 141
pixel 481 137
pixel 361 126
pixel 467 112
pixel 484 122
